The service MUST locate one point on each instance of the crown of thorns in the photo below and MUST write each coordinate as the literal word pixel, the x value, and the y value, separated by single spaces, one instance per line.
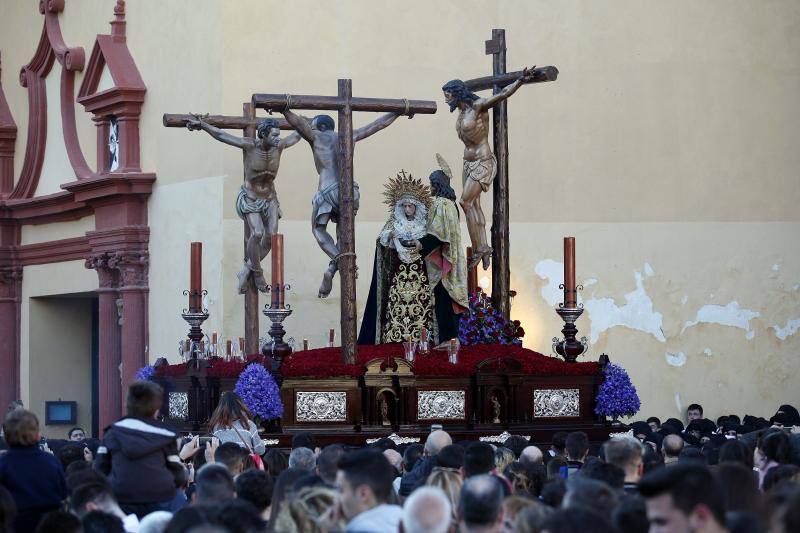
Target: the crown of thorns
pixel 405 185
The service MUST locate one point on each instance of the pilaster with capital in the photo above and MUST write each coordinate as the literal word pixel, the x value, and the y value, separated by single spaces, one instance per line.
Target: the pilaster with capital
pixel 10 309
pixel 132 266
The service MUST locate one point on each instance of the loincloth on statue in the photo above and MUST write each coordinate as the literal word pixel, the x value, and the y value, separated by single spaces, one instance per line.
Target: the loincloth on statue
pixel 246 205
pixel 326 202
pixel 483 171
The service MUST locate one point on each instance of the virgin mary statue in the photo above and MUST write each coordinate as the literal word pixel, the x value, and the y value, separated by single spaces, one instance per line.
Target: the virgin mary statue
pixel 400 302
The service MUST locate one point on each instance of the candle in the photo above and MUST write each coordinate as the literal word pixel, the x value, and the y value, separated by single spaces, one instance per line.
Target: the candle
pixel 472 274
pixel 188 346
pixel 570 294
pixel 214 338
pixel 241 345
pixel 196 276
pixel 305 344
pixel 202 347
pixel 423 336
pixel 330 338
pixel 228 346
pixel 277 272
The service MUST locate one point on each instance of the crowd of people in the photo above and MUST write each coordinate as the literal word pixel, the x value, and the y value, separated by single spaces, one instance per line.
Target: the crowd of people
pixel 732 474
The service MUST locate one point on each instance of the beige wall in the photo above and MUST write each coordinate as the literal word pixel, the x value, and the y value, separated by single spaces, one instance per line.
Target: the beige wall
pixel 666 147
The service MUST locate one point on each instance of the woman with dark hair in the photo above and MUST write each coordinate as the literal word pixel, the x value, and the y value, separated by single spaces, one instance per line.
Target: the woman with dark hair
pixel 232 422
pixel 773 450
pixel 275 462
pixel 738 487
pixel 736 451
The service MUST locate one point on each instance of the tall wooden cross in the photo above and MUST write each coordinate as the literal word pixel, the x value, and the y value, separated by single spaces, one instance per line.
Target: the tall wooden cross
pixel 501 268
pixel 248 123
pixel 345 104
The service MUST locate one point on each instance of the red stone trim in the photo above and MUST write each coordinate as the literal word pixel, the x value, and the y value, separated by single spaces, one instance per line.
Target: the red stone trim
pixel 42 253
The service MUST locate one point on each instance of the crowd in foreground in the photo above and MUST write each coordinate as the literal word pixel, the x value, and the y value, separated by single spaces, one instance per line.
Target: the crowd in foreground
pixel 737 475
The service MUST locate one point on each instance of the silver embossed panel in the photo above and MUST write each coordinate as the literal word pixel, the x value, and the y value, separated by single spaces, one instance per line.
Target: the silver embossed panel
pixel 440 404
pixel 179 405
pixel 551 403
pixel 321 406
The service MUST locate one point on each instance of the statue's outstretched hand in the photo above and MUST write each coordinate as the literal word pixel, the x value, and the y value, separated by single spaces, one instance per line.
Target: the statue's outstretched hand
pixel 194 123
pixel 528 73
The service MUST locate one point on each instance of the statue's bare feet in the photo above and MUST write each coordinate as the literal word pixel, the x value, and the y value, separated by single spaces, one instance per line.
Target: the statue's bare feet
pixel 243 276
pixel 486 257
pixel 327 284
pixel 261 283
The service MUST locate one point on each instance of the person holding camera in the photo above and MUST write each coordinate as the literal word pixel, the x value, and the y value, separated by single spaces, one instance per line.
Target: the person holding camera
pixel 232 422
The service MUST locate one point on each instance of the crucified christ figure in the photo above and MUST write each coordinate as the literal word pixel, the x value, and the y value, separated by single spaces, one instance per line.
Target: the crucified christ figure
pixel 480 165
pixel 324 141
pixel 257 202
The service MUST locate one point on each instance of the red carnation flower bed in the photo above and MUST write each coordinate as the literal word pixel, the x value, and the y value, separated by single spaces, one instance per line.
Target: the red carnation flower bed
pixel 326 362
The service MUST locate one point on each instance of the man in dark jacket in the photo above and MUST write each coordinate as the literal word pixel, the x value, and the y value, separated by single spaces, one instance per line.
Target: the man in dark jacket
pixel 32 476
pixel 416 478
pixel 139 454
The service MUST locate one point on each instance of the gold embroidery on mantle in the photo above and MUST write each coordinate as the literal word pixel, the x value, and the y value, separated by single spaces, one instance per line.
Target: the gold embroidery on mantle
pixel 409 307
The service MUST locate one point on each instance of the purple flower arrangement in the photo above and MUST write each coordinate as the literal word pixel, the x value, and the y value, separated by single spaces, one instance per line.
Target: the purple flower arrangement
pixel 259 392
pixel 482 324
pixel 146 373
pixel 617 395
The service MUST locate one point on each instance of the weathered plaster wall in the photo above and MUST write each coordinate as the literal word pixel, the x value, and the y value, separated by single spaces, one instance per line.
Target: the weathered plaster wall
pixel 667 147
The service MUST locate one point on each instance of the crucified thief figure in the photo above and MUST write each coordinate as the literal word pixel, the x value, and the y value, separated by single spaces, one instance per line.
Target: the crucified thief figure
pixel 480 165
pixel 324 141
pixel 257 203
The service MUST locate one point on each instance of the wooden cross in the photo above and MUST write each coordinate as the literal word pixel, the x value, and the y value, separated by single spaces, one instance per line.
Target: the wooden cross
pixel 345 104
pixel 501 269
pixel 247 122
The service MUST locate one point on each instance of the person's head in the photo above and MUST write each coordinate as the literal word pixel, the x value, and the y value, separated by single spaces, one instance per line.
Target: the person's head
pixel 531 455
pixel 626 454
pixel 436 441
pixel 690 454
pixel 530 519
pixel 82 475
pixel 275 462
pixel 255 486
pixel 513 506
pixel 694 412
pixel 395 459
pixel 100 522
pixel 682 498
pixel 630 516
pixel 738 486
pixel 780 474
pixel 654 423
pixel 775 446
pixel 57 522
pixel 578 520
pixel 284 490
pixel 427 510
pixel 559 443
pixel 440 185
pixel 502 458
pixel 191 517
pixel 585 493
pixel 409 208
pixel 364 480
pixel 214 484
pixel 736 451
pixel 451 456
pixel 327 462
pixel 611 475
pixel 269 131
pixel 323 123
pixel 144 399
pixel 70 453
pixel 455 92
pixel 239 516
pixel 449 481
pixel 302 513
pixel 517 474
pixel 8 510
pixel 302 458
pixel 229 454
pixel 230 409
pixel 478 459
pixel 672 446
pixel 516 443
pixel 411 455
pixel 76 434
pixel 480 506
pixel 304 439
pixel 577 445
pixel 553 492
pixel 21 428
pixel 93 497
pixel 554 467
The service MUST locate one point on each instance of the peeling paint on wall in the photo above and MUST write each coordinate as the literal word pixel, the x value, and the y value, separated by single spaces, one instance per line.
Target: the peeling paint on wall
pixel 675 359
pixel 553 272
pixel 791 327
pixel 637 313
pixel 684 299
pixel 776 267
pixel 729 315
pixel 589 281
pixel 648 270
pixel 708 351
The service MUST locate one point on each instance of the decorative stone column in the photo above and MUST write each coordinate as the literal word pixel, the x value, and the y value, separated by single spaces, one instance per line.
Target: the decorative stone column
pixel 110 393
pixel 132 267
pixel 10 308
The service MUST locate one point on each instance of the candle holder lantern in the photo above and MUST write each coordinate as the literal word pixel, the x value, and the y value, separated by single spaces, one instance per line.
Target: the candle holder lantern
pixel 569 347
pixel 195 316
pixel 276 349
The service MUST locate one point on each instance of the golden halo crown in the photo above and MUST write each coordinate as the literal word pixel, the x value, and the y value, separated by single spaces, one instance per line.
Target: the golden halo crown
pixel 406 185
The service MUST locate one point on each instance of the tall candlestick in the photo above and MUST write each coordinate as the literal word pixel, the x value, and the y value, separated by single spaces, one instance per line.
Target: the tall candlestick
pixel 228 346
pixel 570 294
pixel 196 277
pixel 305 344
pixel 330 338
pixel 277 271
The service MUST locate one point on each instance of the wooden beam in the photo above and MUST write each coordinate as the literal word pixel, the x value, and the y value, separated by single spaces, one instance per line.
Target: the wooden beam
pixel 251 314
pixel 346 227
pixel 174 120
pixel 334 103
pixel 540 75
